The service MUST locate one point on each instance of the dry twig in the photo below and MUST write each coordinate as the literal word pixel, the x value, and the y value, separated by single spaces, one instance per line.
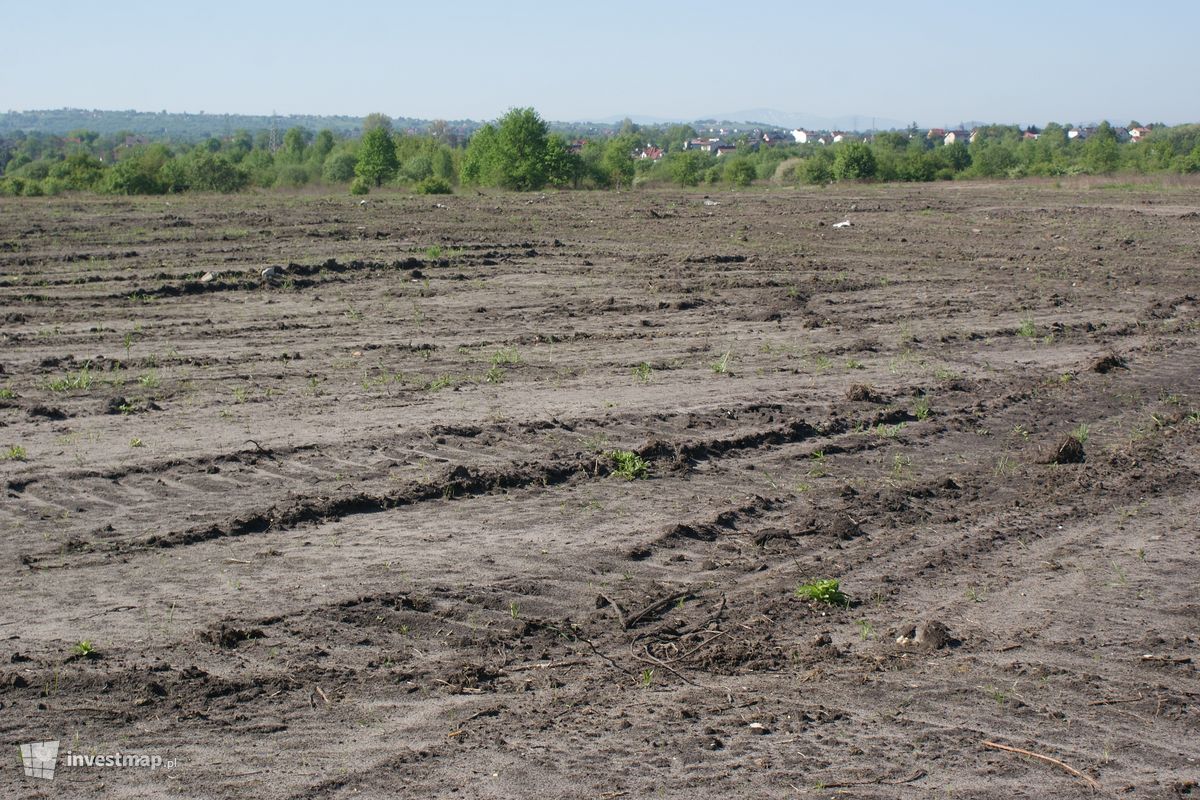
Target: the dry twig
pixel 1047 759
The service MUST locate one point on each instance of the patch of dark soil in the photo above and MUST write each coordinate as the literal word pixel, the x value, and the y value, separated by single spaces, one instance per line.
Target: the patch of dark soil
pixel 228 636
pixel 47 412
pixel 1068 450
pixel 1108 363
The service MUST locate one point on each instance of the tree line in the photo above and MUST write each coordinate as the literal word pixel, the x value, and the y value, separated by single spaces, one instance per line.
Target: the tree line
pixel 519 152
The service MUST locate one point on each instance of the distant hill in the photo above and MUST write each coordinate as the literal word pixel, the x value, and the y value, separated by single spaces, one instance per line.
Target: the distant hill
pixel 801 119
pixel 179 126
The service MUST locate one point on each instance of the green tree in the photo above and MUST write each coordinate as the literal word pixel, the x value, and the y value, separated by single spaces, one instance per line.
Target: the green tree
pixel 322 146
pixel 512 155
pixel 377 120
pixel 376 157
pixel 563 168
pixel 854 161
pixel 339 167
pixel 79 170
pixel 216 173
pixel 617 161
pixel 740 171
pixel 687 167
pixel 1101 154
pixel 478 161
pixel 521 150
pixel 295 142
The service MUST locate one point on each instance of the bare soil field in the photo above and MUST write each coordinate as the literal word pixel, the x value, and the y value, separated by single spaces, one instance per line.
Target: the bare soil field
pixel 357 529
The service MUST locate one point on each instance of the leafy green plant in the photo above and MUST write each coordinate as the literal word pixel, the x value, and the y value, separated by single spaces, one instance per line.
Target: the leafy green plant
pixel 150 380
pixel 72 381
pixel 494 375
pixel 827 591
pixel 84 649
pixel 7 394
pixel 239 394
pixel 900 465
pixel 642 372
pixel 136 442
pixel 628 464
pixel 920 408
pixel 1080 434
pixel 1027 329
pixel 647 678
pixel 14 453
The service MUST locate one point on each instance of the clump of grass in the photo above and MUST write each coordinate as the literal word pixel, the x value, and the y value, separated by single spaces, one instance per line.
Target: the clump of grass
pixel 884 431
pixel 494 375
pixel 1027 329
pixel 721 365
pixel 920 408
pixel 136 442
pixel 1080 434
pixel 642 372
pixel 7 394
pixel 441 382
pixel 506 355
pixel 628 464
pixel 827 591
pixel 72 381
pixel 14 453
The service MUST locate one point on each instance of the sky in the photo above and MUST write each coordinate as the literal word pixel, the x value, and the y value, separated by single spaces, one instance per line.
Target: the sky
pixel 938 64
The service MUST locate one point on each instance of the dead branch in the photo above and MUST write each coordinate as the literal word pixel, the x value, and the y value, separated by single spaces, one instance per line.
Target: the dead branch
pixel 1047 759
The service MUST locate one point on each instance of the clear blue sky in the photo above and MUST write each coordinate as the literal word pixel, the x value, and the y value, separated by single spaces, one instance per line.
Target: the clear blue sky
pixel 1024 61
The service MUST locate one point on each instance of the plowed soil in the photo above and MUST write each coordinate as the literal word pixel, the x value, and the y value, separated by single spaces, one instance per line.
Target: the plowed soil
pixel 356 529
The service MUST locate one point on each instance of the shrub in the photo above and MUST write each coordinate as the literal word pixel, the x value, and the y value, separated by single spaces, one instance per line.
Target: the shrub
pixel 360 186
pixel 434 185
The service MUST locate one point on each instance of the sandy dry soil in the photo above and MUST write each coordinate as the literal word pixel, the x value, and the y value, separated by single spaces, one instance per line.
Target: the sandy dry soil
pixel 355 530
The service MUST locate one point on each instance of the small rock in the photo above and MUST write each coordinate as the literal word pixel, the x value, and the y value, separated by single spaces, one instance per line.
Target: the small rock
pixel 207 277
pixel 271 273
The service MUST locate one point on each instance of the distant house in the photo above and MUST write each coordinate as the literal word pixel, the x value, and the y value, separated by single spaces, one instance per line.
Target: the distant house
pixel 802 136
pixel 1076 133
pixel 1138 133
pixel 936 133
pixel 650 153
pixel 1031 133
pixel 956 136
pixel 576 146
pixel 725 150
pixel 839 136
pixel 707 145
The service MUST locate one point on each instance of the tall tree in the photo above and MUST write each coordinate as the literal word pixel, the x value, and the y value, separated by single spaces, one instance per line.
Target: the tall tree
pixel 376 157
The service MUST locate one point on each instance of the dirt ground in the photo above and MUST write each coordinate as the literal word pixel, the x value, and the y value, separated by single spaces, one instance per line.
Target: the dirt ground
pixel 356 529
